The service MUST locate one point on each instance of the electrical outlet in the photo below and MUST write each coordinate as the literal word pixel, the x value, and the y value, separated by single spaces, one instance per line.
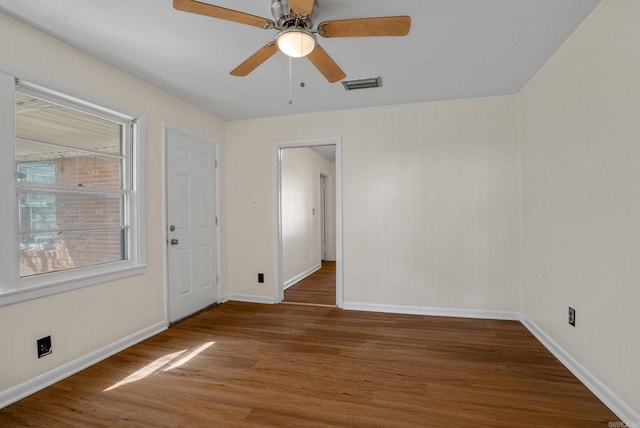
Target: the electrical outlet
pixel 261 278
pixel 572 316
pixel 44 346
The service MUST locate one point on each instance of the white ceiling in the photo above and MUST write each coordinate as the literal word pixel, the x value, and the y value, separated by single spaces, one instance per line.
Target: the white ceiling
pixel 327 152
pixel 456 49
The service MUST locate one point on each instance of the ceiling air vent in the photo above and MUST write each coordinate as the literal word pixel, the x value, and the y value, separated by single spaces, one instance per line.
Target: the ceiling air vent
pixel 373 82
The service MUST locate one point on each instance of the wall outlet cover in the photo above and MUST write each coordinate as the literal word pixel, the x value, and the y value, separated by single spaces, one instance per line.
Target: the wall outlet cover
pixel 44 346
pixel 572 316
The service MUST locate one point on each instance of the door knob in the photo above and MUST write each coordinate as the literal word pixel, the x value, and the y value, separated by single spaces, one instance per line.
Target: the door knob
pixel 174 241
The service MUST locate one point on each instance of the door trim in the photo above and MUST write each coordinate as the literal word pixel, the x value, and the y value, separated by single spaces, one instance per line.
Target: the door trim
pixel 278 292
pixel 326 229
pixel 166 126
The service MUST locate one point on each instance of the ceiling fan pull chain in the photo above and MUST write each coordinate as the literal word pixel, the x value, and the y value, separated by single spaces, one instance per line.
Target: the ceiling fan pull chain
pixel 290 85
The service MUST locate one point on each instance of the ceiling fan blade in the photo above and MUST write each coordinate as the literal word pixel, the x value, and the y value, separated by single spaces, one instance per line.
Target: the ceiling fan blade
pixel 326 65
pixel 301 7
pixel 193 6
pixel 255 60
pixel 366 27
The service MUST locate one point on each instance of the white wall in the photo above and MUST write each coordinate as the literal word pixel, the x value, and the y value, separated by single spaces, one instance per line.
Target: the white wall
pixel 300 196
pixel 580 134
pixel 83 321
pixel 430 202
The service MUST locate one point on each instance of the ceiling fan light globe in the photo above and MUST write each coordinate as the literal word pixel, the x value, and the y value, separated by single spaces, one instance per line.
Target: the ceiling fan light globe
pixel 296 42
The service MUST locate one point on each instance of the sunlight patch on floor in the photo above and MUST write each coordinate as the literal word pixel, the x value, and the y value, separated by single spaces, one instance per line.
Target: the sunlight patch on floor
pixel 162 364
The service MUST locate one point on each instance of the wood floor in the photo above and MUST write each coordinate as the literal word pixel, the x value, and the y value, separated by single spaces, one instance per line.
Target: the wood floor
pixel 241 364
pixel 317 288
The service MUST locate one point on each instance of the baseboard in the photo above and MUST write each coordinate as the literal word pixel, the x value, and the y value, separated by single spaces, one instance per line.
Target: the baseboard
pixel 39 382
pixel 433 311
pixel 618 406
pixel 247 298
pixel 301 276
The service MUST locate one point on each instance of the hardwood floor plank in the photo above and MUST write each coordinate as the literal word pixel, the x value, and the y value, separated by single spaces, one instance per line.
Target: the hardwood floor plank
pixel 241 364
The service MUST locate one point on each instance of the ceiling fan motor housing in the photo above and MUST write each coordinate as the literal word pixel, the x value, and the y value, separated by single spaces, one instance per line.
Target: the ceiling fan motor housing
pixel 286 19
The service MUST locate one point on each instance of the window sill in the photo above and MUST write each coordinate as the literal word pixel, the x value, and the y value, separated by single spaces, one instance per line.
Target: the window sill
pixel 63 285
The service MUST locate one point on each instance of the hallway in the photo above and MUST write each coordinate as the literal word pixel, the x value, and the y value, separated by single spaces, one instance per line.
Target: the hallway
pixel 318 288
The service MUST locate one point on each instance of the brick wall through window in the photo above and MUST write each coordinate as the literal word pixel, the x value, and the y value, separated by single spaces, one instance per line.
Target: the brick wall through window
pixel 74 249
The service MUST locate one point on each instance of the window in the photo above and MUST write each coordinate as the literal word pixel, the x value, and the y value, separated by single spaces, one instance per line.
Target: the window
pixel 36 211
pixel 77 204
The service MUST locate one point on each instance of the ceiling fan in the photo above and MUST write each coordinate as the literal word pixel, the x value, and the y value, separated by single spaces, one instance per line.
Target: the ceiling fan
pixel 296 35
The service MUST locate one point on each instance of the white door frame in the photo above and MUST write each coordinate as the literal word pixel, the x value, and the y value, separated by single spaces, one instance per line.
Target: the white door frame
pixel 324 218
pixel 278 292
pixel 165 128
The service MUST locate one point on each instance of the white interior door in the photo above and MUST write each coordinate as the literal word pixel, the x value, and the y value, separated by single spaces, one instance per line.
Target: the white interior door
pixel 323 217
pixel 191 187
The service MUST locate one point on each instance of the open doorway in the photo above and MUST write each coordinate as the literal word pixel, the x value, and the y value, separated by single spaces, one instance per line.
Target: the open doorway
pixel 307 210
pixel 308 217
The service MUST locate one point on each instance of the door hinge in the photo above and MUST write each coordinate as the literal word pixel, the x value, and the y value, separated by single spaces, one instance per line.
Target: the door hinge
pixel 215 162
pixel 216 221
pixel 217 279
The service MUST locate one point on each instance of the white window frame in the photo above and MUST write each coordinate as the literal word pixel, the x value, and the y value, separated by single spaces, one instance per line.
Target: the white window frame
pixel 13 288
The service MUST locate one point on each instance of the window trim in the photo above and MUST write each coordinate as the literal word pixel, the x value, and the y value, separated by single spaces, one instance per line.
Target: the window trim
pixel 13 288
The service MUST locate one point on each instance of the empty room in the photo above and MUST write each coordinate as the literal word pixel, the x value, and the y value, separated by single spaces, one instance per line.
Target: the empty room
pixel 411 213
